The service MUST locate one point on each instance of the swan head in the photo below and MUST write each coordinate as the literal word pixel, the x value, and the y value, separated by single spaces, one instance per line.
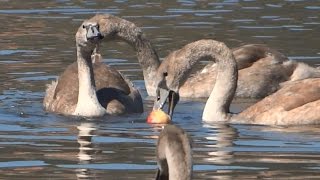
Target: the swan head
pixel 88 35
pixel 108 25
pixel 167 89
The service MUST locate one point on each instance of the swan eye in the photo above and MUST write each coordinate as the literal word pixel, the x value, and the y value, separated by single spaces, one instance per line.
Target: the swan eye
pixel 165 74
pixel 83 26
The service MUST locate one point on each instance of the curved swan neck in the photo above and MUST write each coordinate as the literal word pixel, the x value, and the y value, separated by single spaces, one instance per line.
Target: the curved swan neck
pixel 174 154
pixel 217 106
pixel 218 103
pixel 88 104
pixel 129 32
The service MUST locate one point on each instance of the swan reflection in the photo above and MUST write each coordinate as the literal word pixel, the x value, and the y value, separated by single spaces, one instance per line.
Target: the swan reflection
pixel 232 150
pixel 221 151
pixel 86 148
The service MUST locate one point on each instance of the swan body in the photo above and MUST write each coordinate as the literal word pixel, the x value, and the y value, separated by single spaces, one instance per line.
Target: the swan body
pixel 295 104
pixel 91 89
pixel 174 154
pixel 261 71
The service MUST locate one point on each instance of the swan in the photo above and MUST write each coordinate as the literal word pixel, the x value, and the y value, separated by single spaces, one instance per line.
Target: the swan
pixel 174 154
pixel 91 89
pixel 261 71
pixel 297 103
pixel 266 67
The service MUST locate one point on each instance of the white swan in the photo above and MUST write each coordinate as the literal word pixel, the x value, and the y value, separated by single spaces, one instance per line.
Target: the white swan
pixel 297 103
pixel 174 154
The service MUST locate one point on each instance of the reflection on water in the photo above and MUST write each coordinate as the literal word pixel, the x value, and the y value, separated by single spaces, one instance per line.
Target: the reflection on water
pixel 220 152
pixel 259 152
pixel 37 43
pixel 86 148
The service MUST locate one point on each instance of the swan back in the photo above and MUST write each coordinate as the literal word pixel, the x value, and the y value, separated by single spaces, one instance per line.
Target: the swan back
pixel 297 103
pixel 174 154
pixel 248 54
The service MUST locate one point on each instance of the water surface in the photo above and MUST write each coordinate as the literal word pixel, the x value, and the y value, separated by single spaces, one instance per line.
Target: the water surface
pixel 37 43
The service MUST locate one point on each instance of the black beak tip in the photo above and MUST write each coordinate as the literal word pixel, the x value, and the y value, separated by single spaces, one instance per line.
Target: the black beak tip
pixel 99 36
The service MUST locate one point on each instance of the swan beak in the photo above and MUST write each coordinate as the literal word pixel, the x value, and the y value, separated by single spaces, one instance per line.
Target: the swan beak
pixel 162 96
pixel 93 33
pixel 173 100
pixel 158 175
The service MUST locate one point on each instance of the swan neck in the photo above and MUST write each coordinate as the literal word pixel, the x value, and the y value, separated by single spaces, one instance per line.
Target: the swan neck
pixel 88 104
pixel 147 56
pixel 218 103
pixel 178 170
pixel 85 74
pixel 174 155
pixel 217 106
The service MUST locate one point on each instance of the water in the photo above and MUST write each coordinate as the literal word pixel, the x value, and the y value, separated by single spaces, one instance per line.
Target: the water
pixel 37 43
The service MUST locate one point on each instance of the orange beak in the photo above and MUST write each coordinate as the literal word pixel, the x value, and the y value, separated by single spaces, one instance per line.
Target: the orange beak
pixel 158 117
